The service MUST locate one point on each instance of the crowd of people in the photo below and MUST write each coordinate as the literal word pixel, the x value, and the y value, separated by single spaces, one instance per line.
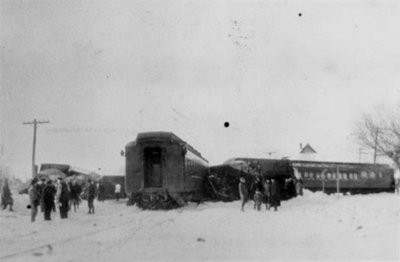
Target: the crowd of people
pixel 47 196
pixel 268 191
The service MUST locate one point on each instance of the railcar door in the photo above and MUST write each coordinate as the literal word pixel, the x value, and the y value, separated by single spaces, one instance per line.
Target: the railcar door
pixel 153 167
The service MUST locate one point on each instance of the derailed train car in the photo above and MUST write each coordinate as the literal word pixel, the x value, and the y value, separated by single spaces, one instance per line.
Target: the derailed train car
pixel 163 171
pixel 279 169
pixel 222 181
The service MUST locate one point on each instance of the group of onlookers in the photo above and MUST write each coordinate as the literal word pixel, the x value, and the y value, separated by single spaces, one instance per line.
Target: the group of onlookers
pixel 268 191
pixel 46 195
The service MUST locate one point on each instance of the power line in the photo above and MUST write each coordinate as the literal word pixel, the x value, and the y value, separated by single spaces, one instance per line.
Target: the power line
pixel 34 123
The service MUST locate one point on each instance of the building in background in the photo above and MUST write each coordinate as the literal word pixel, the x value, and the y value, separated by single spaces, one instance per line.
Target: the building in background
pixel 307 153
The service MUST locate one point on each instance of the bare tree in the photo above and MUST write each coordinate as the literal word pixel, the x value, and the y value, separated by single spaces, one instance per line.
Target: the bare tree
pixel 380 131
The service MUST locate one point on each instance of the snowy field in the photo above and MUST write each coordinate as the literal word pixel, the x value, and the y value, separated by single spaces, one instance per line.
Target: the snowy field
pixel 313 227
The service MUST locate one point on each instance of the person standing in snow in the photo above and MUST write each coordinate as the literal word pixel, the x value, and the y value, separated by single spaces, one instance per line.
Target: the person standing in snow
pixel 40 186
pixel 91 195
pixel 62 196
pixel 275 195
pixel 117 191
pixel 101 191
pixel 243 192
pixel 75 199
pixel 299 187
pixel 267 192
pixel 258 194
pixel 34 197
pixel 48 194
pixel 6 196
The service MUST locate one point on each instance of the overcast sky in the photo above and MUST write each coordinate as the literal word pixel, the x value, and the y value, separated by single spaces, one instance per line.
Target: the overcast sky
pixel 280 72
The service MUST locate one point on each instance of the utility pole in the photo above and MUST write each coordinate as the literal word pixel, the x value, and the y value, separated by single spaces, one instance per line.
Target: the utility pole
pixel 34 123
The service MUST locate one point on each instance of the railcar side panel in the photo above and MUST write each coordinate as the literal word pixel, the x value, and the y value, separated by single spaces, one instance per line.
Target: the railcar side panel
pixel 133 172
pixel 174 168
pixel 352 176
pixel 195 170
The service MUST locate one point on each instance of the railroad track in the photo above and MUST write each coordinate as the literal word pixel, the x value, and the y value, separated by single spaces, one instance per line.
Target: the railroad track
pixel 49 246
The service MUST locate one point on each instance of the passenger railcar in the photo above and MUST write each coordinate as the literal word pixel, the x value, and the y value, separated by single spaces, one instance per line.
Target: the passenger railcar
pixel 348 177
pixel 163 170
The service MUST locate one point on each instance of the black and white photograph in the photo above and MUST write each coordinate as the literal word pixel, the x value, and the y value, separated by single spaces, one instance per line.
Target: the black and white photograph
pixel 199 130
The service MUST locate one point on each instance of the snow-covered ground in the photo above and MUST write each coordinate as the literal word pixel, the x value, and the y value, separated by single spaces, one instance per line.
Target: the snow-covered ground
pixel 312 227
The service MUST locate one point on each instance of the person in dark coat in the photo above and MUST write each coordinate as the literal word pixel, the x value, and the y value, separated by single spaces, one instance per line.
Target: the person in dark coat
pixel 40 186
pixel 258 194
pixel 267 193
pixel 76 191
pixel 290 188
pixel 243 192
pixel 102 192
pixel 275 195
pixel 34 197
pixel 63 195
pixel 91 195
pixel 48 193
pixel 6 196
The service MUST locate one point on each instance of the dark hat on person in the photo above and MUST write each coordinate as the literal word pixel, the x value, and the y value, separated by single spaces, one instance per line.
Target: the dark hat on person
pixel 34 181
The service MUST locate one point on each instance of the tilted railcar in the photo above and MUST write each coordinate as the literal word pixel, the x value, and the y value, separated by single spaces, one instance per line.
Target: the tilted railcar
pixel 163 170
pixel 348 177
pixel 279 169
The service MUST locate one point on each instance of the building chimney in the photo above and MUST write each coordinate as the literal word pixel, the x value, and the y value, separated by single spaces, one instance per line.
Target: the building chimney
pixel 301 146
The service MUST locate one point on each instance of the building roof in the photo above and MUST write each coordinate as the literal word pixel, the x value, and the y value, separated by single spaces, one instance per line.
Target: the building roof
pixel 307 149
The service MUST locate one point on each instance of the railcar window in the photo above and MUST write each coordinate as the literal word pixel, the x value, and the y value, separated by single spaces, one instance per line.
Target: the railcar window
pixel 323 175
pixel 329 175
pixel 372 175
pixel 345 176
pixel 364 174
pixel 380 175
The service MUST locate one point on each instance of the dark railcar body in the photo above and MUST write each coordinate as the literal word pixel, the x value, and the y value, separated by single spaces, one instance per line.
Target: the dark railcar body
pixel 352 177
pixel 279 169
pixel 109 183
pixel 161 165
pixel 267 168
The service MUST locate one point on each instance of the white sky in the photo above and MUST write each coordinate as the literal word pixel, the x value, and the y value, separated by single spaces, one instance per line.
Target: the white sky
pixel 102 71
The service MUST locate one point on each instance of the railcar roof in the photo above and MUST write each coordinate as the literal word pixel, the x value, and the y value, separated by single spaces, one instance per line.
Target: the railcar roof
pixel 236 159
pixel 340 163
pixel 162 135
